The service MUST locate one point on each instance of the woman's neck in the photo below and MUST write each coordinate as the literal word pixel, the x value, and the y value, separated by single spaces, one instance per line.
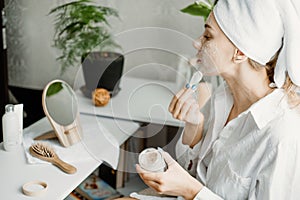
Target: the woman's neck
pixel 247 87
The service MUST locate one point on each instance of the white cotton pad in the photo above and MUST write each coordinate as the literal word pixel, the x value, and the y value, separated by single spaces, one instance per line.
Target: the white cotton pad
pixel 196 78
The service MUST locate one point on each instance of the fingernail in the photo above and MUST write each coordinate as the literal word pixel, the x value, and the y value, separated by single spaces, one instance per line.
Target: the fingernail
pixel 187 86
pixel 160 149
pixel 194 87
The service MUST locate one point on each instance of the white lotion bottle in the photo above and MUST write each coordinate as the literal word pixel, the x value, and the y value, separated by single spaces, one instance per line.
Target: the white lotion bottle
pixel 10 125
pixel 18 109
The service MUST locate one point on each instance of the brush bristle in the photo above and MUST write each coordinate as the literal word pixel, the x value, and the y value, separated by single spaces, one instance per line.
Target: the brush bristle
pixel 43 150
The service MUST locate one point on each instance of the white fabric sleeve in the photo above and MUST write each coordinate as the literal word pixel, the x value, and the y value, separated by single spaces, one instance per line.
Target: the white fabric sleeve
pixel 188 157
pixel 207 194
pixel 149 197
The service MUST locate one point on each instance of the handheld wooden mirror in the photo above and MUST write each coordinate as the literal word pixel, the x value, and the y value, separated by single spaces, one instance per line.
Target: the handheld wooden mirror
pixel 61 108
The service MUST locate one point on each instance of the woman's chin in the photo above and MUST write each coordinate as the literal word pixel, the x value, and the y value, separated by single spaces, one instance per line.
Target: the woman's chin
pixel 208 71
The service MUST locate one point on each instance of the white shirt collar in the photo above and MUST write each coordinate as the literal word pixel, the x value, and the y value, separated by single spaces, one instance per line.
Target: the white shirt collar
pixel 268 108
pixel 264 110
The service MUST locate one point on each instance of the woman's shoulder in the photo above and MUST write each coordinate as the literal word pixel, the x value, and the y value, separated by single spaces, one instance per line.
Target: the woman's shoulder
pixel 286 128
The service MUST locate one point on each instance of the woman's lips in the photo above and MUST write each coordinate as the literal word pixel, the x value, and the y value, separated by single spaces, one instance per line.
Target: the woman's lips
pixel 195 61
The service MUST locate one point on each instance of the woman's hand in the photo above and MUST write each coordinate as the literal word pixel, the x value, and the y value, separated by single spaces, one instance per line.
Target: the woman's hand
pixel 174 181
pixel 185 108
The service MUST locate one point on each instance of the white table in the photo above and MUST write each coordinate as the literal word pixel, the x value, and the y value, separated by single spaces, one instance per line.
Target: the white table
pixel 139 100
pixel 14 170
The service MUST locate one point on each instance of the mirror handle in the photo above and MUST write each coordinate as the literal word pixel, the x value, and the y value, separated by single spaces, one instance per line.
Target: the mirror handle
pixel 45 136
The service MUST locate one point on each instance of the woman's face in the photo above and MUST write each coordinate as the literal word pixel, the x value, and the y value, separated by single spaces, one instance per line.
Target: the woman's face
pixel 215 50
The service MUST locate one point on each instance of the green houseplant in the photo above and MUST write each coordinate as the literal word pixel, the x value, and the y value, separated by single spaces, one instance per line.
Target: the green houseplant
pixel 82 34
pixel 200 8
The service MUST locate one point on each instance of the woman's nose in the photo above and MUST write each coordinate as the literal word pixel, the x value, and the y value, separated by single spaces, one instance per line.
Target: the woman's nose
pixel 197 44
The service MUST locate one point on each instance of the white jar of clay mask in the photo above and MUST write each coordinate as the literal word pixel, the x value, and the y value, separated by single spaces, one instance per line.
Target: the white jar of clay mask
pixel 151 159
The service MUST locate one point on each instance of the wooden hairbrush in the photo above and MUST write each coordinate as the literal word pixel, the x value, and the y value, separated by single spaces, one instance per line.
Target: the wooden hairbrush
pixel 46 153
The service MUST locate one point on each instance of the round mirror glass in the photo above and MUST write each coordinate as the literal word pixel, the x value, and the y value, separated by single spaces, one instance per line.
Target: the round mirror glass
pixel 61 103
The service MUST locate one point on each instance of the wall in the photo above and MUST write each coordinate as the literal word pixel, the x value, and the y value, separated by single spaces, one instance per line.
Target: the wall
pixel 154 36
pixel 3 74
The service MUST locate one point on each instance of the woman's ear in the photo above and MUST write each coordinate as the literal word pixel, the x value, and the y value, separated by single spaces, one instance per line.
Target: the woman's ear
pixel 239 56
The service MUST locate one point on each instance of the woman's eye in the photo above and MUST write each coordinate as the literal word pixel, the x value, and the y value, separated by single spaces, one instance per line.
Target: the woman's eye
pixel 206 37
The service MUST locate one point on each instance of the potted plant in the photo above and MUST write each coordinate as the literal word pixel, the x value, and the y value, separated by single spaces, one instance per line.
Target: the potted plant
pixel 81 34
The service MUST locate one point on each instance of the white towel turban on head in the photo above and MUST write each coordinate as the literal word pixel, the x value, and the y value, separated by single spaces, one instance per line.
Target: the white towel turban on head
pixel 260 27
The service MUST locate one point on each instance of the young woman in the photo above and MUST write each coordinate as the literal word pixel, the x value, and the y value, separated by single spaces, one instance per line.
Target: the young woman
pixel 245 142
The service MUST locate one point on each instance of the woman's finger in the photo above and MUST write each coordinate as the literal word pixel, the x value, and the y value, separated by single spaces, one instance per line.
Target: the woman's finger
pixel 186 106
pixel 168 158
pixel 181 101
pixel 175 99
pixel 153 185
pixel 141 171
pixel 148 176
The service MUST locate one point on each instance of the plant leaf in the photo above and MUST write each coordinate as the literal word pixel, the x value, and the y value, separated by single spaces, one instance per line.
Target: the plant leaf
pixel 54 88
pixel 197 9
